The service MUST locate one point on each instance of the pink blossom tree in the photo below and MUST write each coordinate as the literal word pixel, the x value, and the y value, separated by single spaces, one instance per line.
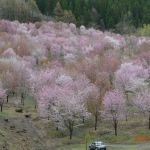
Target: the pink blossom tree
pixel 114 107
pixel 8 80
pixel 2 97
pixel 69 110
pixel 9 53
pixel 61 98
pixel 15 77
pixel 80 85
pixel 110 64
pixel 22 72
pixel 7 26
pixel 46 97
pixel 93 103
pixel 40 81
pixel 130 78
pixel 97 71
pixel 142 102
pixel 62 105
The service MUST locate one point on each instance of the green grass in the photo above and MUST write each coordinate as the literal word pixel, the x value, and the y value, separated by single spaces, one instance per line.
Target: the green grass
pixel 127 131
pixel 82 147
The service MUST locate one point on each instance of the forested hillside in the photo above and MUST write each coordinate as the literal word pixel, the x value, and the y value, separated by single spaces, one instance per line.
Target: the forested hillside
pixel 123 16
pixel 101 13
pixel 73 72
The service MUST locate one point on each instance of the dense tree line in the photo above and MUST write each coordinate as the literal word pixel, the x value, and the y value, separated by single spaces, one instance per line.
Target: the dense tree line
pixel 21 10
pixel 101 13
pixel 123 15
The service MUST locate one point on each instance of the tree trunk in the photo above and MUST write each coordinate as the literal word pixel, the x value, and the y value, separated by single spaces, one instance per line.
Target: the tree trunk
pixel 83 121
pixel 111 81
pixel 96 120
pixel 37 61
pixel 71 129
pixel 126 117
pixel 7 98
pixel 149 121
pixel 115 127
pixel 13 93
pixel 128 103
pixel 35 106
pixel 71 132
pixel 22 98
pixel 1 107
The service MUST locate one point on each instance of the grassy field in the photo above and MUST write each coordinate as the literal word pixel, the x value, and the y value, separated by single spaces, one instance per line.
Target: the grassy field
pixel 39 134
pixel 82 147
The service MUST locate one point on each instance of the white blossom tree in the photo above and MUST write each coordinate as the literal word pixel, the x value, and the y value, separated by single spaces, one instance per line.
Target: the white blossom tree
pixel 114 107
pixel 142 102
pixel 2 97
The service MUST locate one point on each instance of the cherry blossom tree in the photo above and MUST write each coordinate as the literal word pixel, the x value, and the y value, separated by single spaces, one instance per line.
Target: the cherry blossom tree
pixel 93 103
pixel 47 96
pixel 8 78
pixel 142 102
pixel 39 80
pixel 98 72
pixel 2 97
pixel 81 86
pixel 7 26
pixel 22 72
pixel 42 77
pixel 110 63
pixel 114 107
pixel 62 98
pixel 15 77
pixel 69 110
pixel 9 53
pixel 131 78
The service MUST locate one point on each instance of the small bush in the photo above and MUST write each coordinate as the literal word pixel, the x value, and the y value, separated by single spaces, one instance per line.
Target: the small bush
pixel 56 134
pixel 125 28
pixel 144 31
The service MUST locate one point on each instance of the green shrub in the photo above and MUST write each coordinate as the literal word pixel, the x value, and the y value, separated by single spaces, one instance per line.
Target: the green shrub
pixel 56 134
pixel 125 28
pixel 144 31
